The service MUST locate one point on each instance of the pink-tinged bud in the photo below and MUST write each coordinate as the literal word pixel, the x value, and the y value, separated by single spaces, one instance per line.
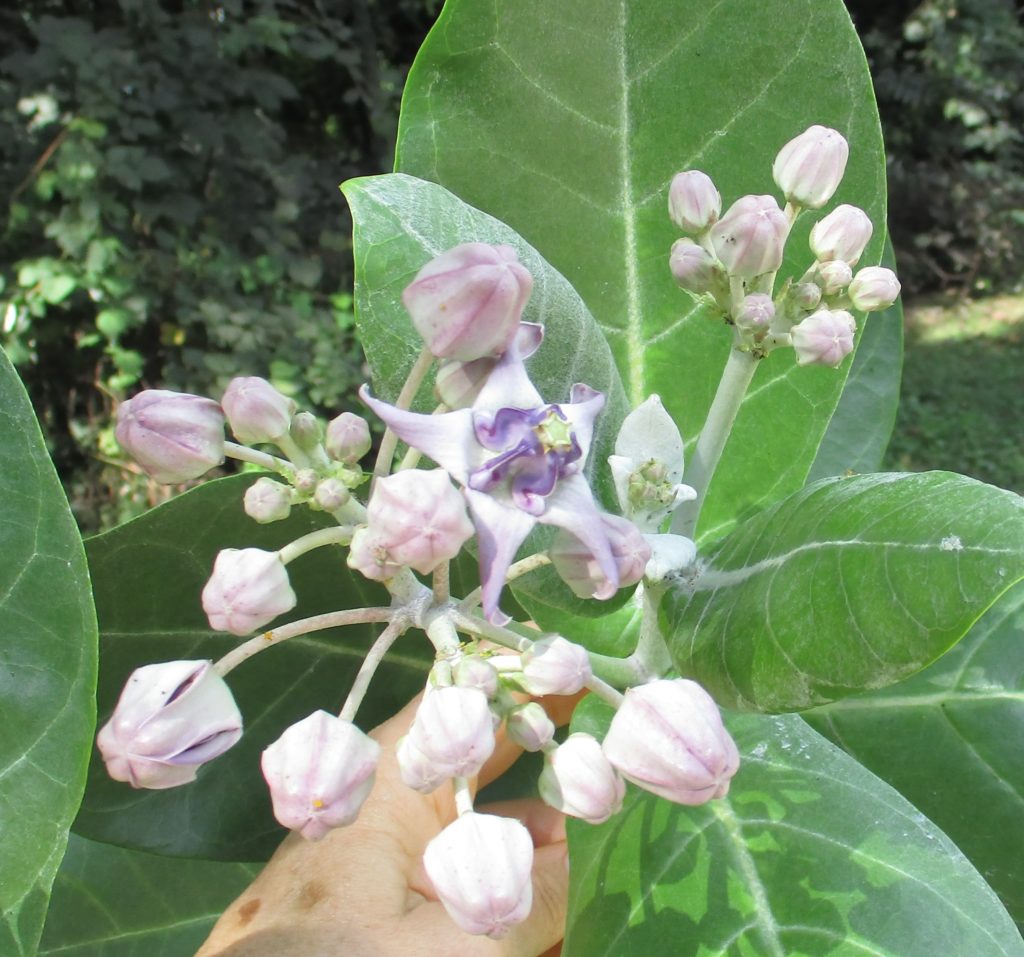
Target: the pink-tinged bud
pixel 348 438
pixel 694 268
pixel 810 167
pixel 467 303
pixel 579 569
pixel 471 671
pixel 842 234
pixel 320 771
pixel 170 719
pixel 756 312
pixel 305 431
pixel 693 202
pixel 481 867
pixel 834 276
pixel 175 437
pixel 668 738
pixel 453 730
pixel 749 239
pixel 416 769
pixel 331 494
pixel 579 780
pixel 305 481
pixel 256 411
pixel 806 295
pixel 529 726
pixel 555 666
pixel 419 517
pixel 248 589
pixel 267 501
pixel 369 555
pixel 824 338
pixel 874 288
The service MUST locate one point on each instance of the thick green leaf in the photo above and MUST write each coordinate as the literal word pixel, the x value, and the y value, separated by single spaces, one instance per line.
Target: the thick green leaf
pixel 860 429
pixel 847 585
pixel 148 576
pixel 951 740
pixel 568 121
pixel 47 669
pixel 109 902
pixel 809 855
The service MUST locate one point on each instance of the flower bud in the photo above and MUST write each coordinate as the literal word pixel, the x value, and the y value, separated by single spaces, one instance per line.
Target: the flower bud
pixel 175 437
pixel 419 517
pixel 810 167
pixel 806 295
pixel 369 555
pixel 579 569
pixel 481 868
pixel 331 494
pixel 256 411
pixel 824 338
pixel 170 719
pixel 842 234
pixel 668 738
pixel 267 501
pixel 472 671
pixel 694 268
pixel 749 239
pixel 874 288
pixel 305 481
pixel 319 773
pixel 305 431
pixel 834 276
pixel 670 555
pixel 756 312
pixel 467 302
pixel 555 666
pixel 453 729
pixel 579 780
pixel 248 589
pixel 348 438
pixel 529 726
pixel 416 769
pixel 693 202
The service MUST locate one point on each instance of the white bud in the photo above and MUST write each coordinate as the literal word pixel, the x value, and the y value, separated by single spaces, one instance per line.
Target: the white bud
pixel 472 671
pixel 248 589
pixel 256 411
pixel 834 276
pixel 555 666
pixel 824 337
pixel 267 501
pixel 670 555
pixel 756 312
pixel 750 238
pixel 810 167
pixel 693 202
pixel 842 234
pixel 579 780
pixel 874 288
pixel 348 438
pixel 331 494
pixel 529 726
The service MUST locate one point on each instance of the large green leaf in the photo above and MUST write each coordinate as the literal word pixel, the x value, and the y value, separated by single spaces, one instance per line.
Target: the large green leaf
pixel 567 120
pixel 951 740
pixel 846 585
pixel 109 902
pixel 809 855
pixel 47 669
pixel 148 576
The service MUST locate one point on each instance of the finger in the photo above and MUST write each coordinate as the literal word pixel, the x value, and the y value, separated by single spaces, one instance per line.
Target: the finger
pixel 545 823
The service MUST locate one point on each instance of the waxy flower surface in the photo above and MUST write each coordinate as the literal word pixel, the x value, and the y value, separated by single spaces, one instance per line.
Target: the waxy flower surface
pixel 519 461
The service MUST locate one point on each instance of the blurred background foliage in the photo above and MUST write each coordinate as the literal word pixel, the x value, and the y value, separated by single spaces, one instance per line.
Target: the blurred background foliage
pixel 173 219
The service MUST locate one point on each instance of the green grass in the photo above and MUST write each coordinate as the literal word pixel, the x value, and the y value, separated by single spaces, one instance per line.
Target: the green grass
pixel 962 401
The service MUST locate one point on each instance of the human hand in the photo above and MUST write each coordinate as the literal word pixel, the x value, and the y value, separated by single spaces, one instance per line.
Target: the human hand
pixel 362 890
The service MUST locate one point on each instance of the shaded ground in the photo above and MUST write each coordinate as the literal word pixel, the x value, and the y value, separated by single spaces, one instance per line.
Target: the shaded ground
pixel 962 403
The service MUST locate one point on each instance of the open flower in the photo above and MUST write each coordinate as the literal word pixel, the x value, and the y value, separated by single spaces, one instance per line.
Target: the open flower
pixel 519 461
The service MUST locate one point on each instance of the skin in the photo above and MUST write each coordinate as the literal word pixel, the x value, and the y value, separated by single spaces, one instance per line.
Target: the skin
pixel 362 892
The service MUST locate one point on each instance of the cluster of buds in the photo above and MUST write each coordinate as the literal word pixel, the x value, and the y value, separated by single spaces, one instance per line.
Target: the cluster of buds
pixel 507 461
pixel 731 259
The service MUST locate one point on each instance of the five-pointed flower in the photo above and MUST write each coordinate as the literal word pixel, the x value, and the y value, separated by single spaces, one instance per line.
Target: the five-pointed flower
pixel 519 461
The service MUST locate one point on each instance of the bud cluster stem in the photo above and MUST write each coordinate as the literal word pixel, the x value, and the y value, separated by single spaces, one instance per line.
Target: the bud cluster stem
pixel 516 570
pixel 395 629
pixel 325 536
pixel 405 398
pixel 263 459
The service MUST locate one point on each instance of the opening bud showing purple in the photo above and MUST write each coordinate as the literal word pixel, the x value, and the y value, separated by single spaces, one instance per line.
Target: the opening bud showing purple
pixel 834 276
pixel 580 781
pixel 331 494
pixel 750 238
pixel 472 671
pixel 668 738
pixel 170 719
pixel 175 437
pixel 481 867
pixel 457 384
pixel 419 518
pixel 529 726
pixel 693 201
pixel 824 338
pixel 267 501
pixel 348 438
pixel 555 666
pixel 579 568
pixel 454 731
pixel 842 234
pixel 248 589
pixel 467 302
pixel 256 411
pixel 874 288
pixel 695 269
pixel 810 167
pixel 755 313
pixel 320 771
